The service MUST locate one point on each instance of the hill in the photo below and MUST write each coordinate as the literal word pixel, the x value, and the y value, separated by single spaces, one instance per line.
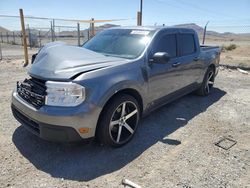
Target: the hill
pixel 200 31
pixel 3 30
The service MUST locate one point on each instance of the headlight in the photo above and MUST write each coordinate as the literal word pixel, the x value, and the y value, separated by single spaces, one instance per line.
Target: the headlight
pixel 64 94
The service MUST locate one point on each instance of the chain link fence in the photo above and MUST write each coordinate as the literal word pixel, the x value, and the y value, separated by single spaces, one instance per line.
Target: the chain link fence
pixel 42 31
pixel 74 34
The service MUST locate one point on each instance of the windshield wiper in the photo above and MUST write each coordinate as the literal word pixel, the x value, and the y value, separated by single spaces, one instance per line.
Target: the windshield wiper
pixel 119 56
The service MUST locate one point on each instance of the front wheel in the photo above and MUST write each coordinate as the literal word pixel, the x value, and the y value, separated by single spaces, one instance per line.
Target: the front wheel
pixel 208 83
pixel 119 121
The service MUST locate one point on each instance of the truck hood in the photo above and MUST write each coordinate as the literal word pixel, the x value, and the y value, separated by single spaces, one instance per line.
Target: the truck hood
pixel 58 61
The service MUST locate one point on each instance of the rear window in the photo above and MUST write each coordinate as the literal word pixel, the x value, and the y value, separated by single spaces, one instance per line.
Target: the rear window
pixel 187 44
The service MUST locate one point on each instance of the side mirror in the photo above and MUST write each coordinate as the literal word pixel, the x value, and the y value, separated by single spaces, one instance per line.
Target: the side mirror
pixel 160 57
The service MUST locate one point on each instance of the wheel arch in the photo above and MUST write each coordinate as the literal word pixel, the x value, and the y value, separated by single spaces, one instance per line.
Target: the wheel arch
pixel 213 67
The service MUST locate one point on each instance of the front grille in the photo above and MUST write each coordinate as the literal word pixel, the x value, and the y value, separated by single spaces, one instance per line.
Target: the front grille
pixel 31 125
pixel 33 91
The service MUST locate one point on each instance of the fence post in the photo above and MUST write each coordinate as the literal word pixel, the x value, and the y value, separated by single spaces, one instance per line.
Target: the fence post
pixel 39 38
pixel 54 33
pixel 1 55
pixel 14 41
pixel 92 28
pixel 29 37
pixel 24 38
pixel 7 35
pixel 51 29
pixel 88 34
pixel 1 37
pixel 78 34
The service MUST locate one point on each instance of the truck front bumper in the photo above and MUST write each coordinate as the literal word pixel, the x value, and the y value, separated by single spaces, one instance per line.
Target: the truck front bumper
pixel 59 124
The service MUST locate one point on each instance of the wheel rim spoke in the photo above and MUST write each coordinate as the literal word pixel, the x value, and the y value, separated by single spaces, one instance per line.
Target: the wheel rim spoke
pixel 210 82
pixel 112 123
pixel 131 114
pixel 119 134
pixel 123 109
pixel 129 128
pixel 207 88
pixel 211 75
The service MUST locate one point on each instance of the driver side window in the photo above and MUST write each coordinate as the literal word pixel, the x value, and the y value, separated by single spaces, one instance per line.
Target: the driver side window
pixel 166 43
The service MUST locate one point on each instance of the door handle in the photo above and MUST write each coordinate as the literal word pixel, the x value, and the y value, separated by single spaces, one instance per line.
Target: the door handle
pixel 176 64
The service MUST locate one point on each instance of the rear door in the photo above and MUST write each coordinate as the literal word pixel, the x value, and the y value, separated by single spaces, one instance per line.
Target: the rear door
pixel 189 61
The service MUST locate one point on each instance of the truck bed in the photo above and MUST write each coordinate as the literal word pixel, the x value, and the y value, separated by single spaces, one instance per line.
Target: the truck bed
pixel 205 48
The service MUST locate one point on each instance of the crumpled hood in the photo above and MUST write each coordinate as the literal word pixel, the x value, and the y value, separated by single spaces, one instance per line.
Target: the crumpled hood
pixel 58 61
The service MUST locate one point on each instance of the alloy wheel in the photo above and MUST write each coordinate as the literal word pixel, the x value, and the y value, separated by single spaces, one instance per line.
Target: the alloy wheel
pixel 210 82
pixel 123 122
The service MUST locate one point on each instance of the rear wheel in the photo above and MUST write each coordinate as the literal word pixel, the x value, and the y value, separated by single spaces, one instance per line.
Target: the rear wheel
pixel 119 121
pixel 208 83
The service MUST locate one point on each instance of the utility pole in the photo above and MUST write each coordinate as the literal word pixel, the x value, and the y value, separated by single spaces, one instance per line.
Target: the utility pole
pixel 138 18
pixel 204 34
pixel 141 12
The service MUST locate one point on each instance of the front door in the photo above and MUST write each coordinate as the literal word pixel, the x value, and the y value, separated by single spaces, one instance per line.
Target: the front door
pixel 164 78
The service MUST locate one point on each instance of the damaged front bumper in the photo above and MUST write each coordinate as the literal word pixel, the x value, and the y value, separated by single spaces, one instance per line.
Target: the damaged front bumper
pixel 60 124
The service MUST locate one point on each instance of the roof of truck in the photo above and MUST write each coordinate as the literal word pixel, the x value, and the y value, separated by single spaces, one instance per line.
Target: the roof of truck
pixel 153 28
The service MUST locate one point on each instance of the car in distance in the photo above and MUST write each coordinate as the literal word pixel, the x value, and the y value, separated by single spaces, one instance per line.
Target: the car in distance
pixel 104 87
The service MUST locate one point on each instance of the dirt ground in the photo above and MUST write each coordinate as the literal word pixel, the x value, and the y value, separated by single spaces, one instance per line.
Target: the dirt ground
pixel 237 57
pixel 174 146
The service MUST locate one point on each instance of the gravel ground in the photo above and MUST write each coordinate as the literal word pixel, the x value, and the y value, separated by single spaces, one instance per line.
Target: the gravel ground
pixel 174 146
pixel 15 51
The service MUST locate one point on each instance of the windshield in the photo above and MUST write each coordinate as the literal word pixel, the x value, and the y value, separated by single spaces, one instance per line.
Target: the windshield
pixel 124 43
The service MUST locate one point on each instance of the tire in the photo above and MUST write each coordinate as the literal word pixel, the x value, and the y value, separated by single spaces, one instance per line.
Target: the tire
pixel 119 120
pixel 207 84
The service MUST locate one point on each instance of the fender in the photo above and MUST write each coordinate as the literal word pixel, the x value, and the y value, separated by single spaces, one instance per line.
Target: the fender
pixel 127 84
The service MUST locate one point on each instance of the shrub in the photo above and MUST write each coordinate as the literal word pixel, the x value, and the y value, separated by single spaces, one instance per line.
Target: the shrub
pixel 231 47
pixel 228 48
pixel 13 43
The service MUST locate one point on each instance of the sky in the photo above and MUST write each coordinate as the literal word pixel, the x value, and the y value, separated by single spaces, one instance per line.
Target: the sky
pixel 224 15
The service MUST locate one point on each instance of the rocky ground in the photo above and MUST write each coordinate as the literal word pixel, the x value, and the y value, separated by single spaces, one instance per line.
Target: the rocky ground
pixel 174 146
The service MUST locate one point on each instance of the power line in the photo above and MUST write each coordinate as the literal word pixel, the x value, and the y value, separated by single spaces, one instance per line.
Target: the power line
pixel 202 8
pixel 61 19
pixel 193 6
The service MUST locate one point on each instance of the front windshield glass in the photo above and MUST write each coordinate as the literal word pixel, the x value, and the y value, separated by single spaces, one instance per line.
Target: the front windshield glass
pixel 124 43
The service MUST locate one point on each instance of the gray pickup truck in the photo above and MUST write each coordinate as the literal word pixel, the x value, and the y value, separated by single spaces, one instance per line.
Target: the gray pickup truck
pixel 103 88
